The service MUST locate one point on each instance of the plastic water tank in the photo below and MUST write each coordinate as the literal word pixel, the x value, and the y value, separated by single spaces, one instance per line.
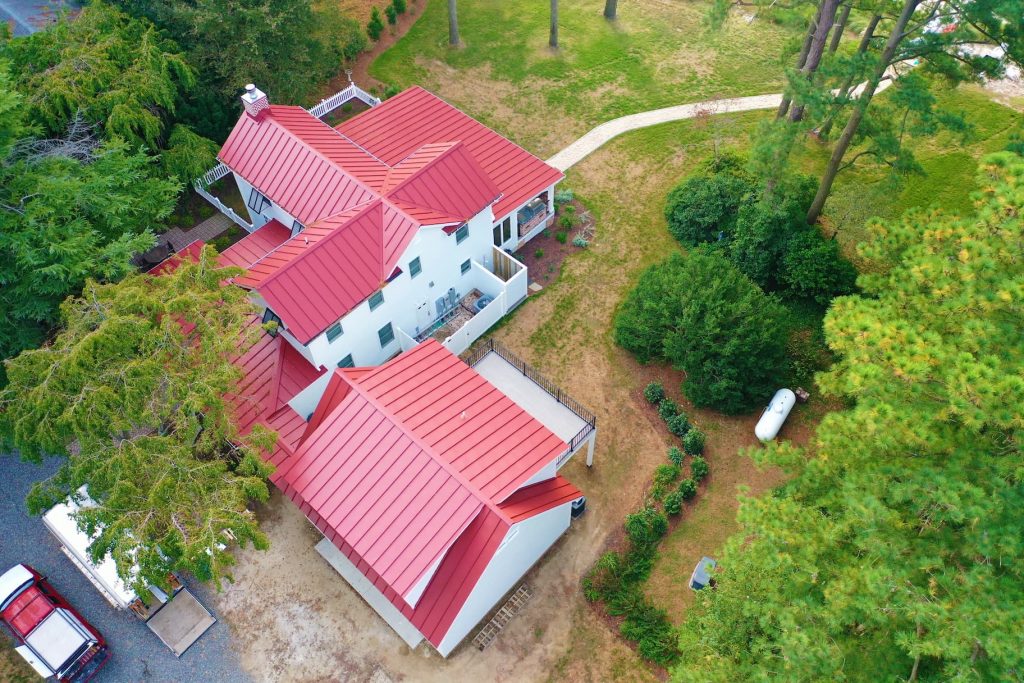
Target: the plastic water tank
pixel 775 414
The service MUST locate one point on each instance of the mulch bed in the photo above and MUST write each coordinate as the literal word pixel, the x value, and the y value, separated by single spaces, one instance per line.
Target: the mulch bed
pixel 544 254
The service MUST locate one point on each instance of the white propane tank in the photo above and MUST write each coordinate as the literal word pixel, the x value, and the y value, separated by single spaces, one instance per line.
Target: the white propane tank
pixel 775 414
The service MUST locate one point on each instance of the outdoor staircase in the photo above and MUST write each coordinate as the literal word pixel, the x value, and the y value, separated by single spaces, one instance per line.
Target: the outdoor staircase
pixel 504 615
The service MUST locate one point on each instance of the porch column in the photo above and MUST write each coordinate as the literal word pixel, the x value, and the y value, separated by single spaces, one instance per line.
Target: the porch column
pixel 590 448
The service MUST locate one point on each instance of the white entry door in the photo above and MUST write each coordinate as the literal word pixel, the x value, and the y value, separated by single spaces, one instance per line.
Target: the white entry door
pixel 423 316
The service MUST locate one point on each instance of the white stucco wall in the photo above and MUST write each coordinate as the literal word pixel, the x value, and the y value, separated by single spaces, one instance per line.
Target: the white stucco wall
pixel 549 471
pixel 525 543
pixel 274 211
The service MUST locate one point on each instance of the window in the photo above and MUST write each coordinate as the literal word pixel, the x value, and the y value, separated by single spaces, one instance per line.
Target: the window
pixel 376 299
pixel 333 332
pixel 465 266
pixel 257 202
pixel 347 362
pixel 297 227
pixel 270 317
pixel 461 234
pixel 414 267
pixel 386 335
pixel 503 232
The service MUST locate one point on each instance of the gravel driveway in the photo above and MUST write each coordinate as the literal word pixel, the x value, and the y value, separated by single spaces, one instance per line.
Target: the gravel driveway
pixel 137 654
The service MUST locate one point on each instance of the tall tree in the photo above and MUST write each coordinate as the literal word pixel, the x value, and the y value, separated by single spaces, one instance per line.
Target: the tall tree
pixel 611 8
pixel 132 393
pixel 71 208
pixel 453 24
pixel 823 25
pixel 553 34
pixel 894 552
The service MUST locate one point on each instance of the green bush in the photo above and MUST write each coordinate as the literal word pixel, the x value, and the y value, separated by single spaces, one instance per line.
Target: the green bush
pixel 651 309
pixel 391 14
pixel 399 5
pixel 604 578
pixel 675 456
pixel 704 207
pixel 687 488
pixel 563 196
pixel 693 442
pixel 580 241
pixel 666 474
pixel 561 236
pixel 726 334
pixel 645 527
pixel 654 392
pixel 678 425
pixel 667 409
pixel 654 635
pixel 674 503
pixel 813 268
pixel 566 221
pixel 375 26
pixel 699 468
pixel 568 210
pixel 759 242
pixel 539 253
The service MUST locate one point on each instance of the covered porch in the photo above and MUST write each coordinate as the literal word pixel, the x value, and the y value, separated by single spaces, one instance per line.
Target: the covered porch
pixel 538 396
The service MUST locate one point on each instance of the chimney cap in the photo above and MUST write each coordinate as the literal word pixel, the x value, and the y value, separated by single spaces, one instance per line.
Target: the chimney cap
pixel 254 100
pixel 250 87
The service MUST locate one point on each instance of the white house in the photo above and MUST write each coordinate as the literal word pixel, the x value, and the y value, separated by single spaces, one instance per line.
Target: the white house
pixel 386 230
pixel 435 483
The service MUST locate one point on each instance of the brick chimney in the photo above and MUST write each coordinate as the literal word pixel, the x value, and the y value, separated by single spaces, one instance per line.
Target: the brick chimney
pixel 254 100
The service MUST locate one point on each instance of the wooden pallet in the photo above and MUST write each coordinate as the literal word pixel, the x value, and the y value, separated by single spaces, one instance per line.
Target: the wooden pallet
pixel 504 615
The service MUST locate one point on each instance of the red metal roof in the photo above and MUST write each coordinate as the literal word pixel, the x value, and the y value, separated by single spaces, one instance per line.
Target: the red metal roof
pixel 170 264
pixel 537 498
pixel 399 461
pixel 401 125
pixel 256 245
pixel 274 372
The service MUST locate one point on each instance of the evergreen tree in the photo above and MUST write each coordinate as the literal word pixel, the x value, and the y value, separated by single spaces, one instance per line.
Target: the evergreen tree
pixel 895 552
pixel 131 393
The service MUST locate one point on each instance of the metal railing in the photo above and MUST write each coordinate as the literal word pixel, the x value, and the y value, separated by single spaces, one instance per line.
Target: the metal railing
pixel 211 176
pixel 556 393
pixel 352 92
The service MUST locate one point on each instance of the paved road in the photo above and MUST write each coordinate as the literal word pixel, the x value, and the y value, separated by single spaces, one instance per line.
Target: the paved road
pixel 137 654
pixel 29 16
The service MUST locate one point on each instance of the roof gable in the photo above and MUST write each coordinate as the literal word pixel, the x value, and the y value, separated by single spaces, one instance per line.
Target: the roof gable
pixel 256 245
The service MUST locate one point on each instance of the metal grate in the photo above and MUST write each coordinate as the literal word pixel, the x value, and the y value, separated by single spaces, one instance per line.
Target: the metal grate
pixel 501 618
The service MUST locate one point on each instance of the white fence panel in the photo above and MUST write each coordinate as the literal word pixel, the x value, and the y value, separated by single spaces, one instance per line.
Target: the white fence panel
pixel 476 326
pixel 404 340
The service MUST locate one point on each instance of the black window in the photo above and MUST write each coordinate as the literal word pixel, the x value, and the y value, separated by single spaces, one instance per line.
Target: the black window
pixel 386 335
pixel 334 331
pixel 465 266
pixel 414 267
pixel 376 299
pixel 506 229
pixel 297 227
pixel 461 234
pixel 497 236
pixel 257 202
pixel 270 317
pixel 346 362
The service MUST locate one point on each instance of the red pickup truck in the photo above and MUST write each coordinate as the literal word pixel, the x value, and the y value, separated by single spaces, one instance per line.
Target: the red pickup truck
pixel 54 638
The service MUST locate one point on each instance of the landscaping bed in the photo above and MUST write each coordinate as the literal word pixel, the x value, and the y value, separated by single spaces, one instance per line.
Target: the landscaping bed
pixel 571 231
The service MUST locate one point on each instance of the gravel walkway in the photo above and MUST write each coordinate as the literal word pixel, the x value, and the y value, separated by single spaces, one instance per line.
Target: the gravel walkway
pixel 137 654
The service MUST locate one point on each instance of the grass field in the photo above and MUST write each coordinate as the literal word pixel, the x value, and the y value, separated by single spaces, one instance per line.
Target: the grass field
pixel 14 669
pixel 656 54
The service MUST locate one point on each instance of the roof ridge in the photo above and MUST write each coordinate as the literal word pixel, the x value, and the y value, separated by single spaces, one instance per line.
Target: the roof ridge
pixel 451 146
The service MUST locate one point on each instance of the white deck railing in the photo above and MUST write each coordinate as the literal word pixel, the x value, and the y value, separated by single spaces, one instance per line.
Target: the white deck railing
pixel 352 92
pixel 224 208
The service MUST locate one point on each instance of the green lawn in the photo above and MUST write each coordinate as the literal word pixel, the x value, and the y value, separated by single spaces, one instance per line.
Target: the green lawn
pixel 656 54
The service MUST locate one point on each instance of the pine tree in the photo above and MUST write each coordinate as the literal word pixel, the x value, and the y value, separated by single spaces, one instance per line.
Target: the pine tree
pixel 131 392
pixel 894 552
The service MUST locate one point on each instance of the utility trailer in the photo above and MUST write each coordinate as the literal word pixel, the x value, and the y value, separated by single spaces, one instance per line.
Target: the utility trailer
pixel 178 619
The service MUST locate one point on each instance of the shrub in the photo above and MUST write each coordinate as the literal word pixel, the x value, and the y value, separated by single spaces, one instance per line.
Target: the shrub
pixel 693 442
pixel 675 456
pixel 650 310
pixel 699 468
pixel 375 26
pixel 687 489
pixel 654 392
pixel 666 474
pixel 561 236
pixel 539 253
pixel 568 209
pixel 644 527
pixel 391 14
pixel 563 196
pixel 399 5
pixel 580 241
pixel 759 242
pixel 567 221
pixel 727 335
pixel 813 268
pixel 704 207
pixel 674 503
pixel 667 409
pixel 604 578
pixel 678 425
pixel 654 635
